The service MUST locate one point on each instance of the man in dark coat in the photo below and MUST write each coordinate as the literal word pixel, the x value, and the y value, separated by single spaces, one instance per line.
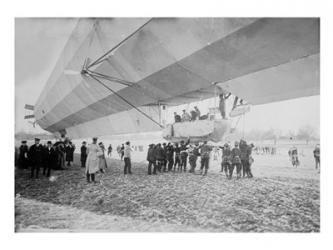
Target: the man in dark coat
pixel 169 156
pixel 50 159
pixel 226 159
pixel 159 156
pixel 205 156
pixel 193 156
pixel 23 155
pixel 83 156
pixel 69 149
pixel 151 159
pixel 244 156
pixel 36 156
pixel 236 161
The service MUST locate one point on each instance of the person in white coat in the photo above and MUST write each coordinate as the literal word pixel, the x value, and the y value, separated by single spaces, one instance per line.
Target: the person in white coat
pixel 92 164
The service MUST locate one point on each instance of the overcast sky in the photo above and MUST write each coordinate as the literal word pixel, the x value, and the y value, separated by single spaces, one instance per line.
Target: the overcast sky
pixel 38 45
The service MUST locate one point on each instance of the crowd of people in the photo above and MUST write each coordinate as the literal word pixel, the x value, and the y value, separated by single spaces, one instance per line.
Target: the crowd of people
pixel 194 115
pixel 175 157
pixel 46 157
pixel 161 157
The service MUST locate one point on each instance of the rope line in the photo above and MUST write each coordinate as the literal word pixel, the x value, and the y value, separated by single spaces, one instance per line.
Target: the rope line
pixel 122 98
pixel 99 60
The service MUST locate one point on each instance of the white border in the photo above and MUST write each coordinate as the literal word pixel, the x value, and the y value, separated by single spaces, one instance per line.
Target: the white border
pixel 230 8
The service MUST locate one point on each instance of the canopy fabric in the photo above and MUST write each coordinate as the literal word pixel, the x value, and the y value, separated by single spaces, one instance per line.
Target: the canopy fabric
pixel 175 61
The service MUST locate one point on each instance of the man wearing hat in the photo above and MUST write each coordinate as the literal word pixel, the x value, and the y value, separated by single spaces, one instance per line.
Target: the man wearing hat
pixel 23 155
pixel 36 156
pixel 83 156
pixel 151 159
pixel 50 159
pixel 226 159
pixel 185 116
pixel 205 156
pixel 169 156
pixel 127 158
pixel 236 161
pixel 92 166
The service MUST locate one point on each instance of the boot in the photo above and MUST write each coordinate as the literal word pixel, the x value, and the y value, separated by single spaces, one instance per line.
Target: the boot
pixel 88 178
pixel 93 178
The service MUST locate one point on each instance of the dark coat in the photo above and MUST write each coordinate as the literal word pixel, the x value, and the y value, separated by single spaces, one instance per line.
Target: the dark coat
pixel 36 155
pixel 159 153
pixel 151 154
pixel 83 153
pixel 169 152
pixel 23 156
pixel 50 157
pixel 69 149
pixel 236 154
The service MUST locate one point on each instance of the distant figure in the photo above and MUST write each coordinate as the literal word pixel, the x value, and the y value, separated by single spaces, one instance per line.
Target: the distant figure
pixel 205 156
pixel 193 115
pixel 169 156
pixel 185 116
pixel 23 155
pixel 183 155
pixel 83 156
pixel 198 112
pixel 50 159
pixel 119 151
pixel 251 160
pixel 109 150
pixel 159 156
pixel 36 156
pixel 316 154
pixel 243 147
pixel 151 159
pixel 164 161
pixel 92 166
pixel 226 160
pixel 69 149
pixel 122 148
pixel 222 105
pixel 236 161
pixel 293 154
pixel 102 161
pixel 177 117
pixel 127 158
pixel 193 154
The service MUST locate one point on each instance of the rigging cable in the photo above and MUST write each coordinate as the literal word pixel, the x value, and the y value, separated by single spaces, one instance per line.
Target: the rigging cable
pixel 133 106
pixel 100 59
